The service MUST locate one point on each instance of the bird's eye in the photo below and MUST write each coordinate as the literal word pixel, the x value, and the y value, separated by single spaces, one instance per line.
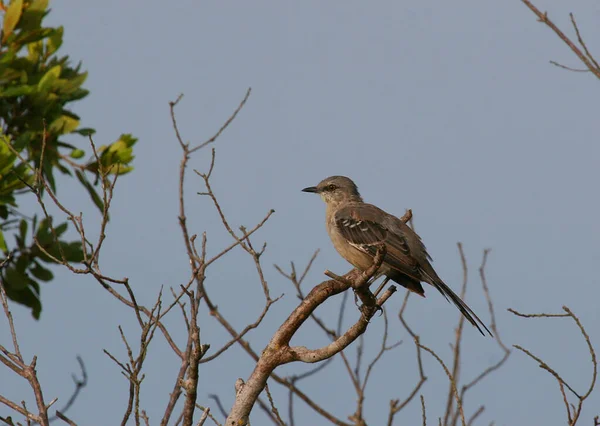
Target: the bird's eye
pixel 331 187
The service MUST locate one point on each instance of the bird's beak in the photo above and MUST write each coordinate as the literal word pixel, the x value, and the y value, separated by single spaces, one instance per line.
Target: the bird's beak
pixel 311 189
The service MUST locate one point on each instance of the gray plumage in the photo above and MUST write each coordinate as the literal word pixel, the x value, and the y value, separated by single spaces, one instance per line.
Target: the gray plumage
pixel 357 229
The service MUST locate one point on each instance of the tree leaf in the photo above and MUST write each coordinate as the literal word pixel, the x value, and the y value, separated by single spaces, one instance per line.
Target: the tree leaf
pixel 7 157
pixel 46 82
pixel 77 153
pixel 15 279
pixel 34 35
pixel 11 18
pixel 72 251
pixel 28 296
pixel 41 273
pixel 129 139
pixel 85 131
pixel 35 51
pixel 3 246
pixel 23 263
pixel 60 229
pixel 33 13
pixel 38 5
pixel 64 124
pixel 43 235
pixel 13 91
pixel 54 41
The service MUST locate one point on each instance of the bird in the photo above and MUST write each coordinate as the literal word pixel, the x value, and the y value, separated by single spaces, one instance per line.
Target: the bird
pixel 357 229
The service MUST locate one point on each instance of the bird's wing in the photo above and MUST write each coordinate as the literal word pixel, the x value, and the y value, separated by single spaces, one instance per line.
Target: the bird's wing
pixel 364 227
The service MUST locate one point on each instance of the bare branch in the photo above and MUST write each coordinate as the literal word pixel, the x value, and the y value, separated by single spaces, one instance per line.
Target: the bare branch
pixel 274 409
pixel 27 371
pixel 506 352
pixel 79 385
pixel 204 416
pixel 395 404
pixel 573 412
pixel 454 389
pixel 225 125
pixel 278 352
pixel 65 419
pixel 423 410
pixel 586 58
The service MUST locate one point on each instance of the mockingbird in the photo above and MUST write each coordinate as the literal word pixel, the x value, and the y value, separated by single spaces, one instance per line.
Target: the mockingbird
pixel 357 229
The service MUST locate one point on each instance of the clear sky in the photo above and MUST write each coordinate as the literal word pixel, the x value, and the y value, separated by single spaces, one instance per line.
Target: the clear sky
pixel 448 108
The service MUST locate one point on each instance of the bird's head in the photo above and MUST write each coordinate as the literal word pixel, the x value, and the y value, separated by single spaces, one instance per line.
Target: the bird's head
pixel 335 190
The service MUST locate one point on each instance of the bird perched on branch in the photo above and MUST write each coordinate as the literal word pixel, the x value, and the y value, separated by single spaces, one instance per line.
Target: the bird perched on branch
pixel 357 229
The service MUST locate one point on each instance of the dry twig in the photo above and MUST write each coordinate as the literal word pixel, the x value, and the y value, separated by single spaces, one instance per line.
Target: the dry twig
pixel 581 51
pixel 573 411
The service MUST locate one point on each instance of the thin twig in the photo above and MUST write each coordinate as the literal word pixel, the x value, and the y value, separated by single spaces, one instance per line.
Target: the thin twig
pixel 586 57
pixel 454 389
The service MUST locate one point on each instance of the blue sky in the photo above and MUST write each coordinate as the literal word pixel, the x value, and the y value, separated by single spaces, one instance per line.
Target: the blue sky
pixel 448 108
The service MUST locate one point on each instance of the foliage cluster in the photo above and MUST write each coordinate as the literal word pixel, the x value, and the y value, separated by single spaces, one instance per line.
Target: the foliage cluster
pixel 37 88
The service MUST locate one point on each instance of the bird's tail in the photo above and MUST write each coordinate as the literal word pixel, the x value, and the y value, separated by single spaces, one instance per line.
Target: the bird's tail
pixel 458 302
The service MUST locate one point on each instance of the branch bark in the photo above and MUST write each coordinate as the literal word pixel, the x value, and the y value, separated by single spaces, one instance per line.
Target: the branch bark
pixel 278 351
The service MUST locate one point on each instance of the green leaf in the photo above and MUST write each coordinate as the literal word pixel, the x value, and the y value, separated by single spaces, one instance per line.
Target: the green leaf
pixel 23 263
pixel 118 152
pixel 64 124
pixel 38 85
pixel 50 176
pixel 115 158
pixel 7 199
pixel 28 296
pixel 64 169
pixel 33 35
pixel 41 255
pixel 77 153
pixel 78 94
pixel 72 251
pixel 13 91
pixel 15 178
pixel 23 228
pixel 8 57
pixel 35 51
pixel 54 41
pixel 44 235
pixel 86 131
pixel 120 169
pixel 41 273
pixel 46 82
pixel 73 83
pixel 11 18
pixel 7 157
pixel 128 139
pixel 38 5
pixel 60 229
pixel 3 246
pixel 33 13
pixel 65 145
pixel 15 279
